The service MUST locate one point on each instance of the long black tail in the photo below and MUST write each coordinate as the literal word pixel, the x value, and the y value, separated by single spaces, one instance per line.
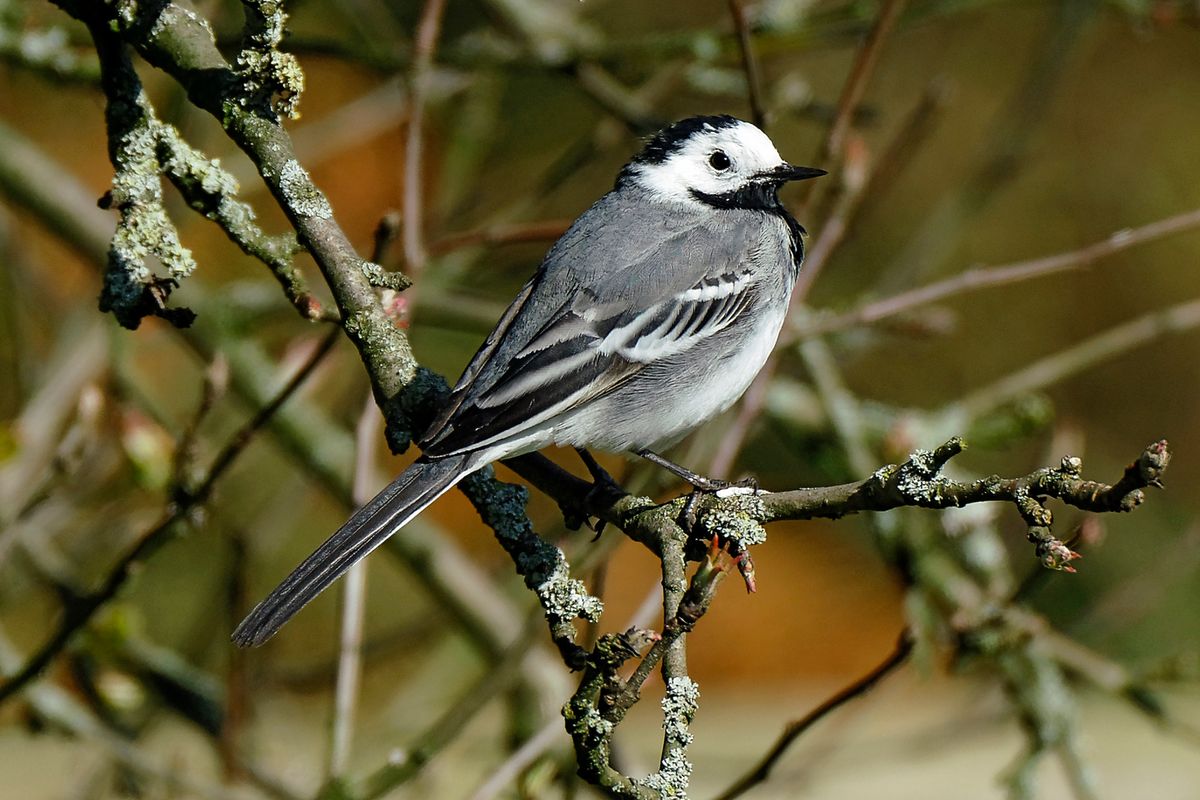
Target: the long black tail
pixel 404 498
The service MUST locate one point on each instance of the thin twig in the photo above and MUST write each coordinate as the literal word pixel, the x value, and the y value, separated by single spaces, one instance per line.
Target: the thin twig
pixel 794 730
pixel 749 63
pixel 238 442
pixel 860 75
pixel 80 610
pixel 1076 358
pixel 354 594
pixel 977 278
pixel 520 759
pixel 423 50
pixel 499 676
pixel 511 233
pixel 855 86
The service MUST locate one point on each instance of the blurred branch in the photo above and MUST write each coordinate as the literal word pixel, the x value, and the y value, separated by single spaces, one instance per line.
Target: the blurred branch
pixel 497 677
pixel 521 759
pixel 1001 154
pixel 638 115
pixel 511 233
pixel 754 93
pixel 834 144
pixel 794 730
pixel 354 597
pixel 78 610
pixel 1072 360
pixel 423 50
pixel 45 52
pixel 59 708
pixel 976 278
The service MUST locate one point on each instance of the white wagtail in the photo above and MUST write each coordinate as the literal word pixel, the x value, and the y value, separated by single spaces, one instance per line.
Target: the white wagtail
pixel 651 314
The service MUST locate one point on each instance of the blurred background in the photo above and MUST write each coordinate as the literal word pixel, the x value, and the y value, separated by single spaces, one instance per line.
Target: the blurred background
pixel 987 134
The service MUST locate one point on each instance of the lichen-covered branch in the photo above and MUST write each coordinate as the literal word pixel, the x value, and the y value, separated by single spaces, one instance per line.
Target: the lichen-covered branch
pixel 131 290
pixel 920 482
pixel 212 191
pixel 180 42
pixel 603 698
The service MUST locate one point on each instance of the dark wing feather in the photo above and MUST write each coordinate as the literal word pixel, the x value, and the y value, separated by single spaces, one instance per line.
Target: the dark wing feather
pixel 584 354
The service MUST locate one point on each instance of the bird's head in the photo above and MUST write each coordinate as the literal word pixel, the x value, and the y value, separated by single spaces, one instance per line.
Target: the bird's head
pixel 719 161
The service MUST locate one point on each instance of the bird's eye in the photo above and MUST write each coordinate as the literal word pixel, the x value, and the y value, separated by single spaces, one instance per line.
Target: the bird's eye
pixel 719 161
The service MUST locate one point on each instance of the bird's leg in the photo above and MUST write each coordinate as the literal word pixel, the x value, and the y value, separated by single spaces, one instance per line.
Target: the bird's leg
pixel 700 482
pixel 604 486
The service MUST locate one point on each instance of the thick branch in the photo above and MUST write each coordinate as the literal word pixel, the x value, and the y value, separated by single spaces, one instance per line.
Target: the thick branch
pixel 180 43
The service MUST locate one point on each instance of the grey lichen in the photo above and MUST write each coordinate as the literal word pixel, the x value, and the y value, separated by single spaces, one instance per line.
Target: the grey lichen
pixel 566 598
pixel 144 231
pixel 212 191
pixel 919 478
pixel 272 80
pixel 383 279
pixel 736 519
pixel 679 706
pixel 673 776
pixel 301 194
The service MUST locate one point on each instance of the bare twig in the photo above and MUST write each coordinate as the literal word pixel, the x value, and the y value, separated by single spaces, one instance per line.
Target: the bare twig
pixel 423 50
pixel 520 759
pixel 834 143
pixel 1074 359
pixel 794 730
pixel 354 594
pixel 79 610
pixel 512 233
pixel 977 278
pixel 498 677
pixel 741 26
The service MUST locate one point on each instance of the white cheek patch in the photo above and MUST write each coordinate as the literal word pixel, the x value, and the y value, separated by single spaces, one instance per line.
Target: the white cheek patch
pixel 670 181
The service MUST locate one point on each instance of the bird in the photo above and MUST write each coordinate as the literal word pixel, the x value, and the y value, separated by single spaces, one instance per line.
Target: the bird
pixel 650 315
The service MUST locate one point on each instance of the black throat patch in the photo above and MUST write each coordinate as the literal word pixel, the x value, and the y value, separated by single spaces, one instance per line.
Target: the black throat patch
pixel 759 196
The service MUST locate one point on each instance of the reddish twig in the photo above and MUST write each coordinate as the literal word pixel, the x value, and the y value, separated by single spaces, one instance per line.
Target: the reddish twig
pixel 749 64
pixel 796 729
pixel 977 278
pixel 423 49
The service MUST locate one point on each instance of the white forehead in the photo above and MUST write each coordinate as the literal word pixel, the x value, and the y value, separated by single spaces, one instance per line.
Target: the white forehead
pixel 686 168
pixel 742 141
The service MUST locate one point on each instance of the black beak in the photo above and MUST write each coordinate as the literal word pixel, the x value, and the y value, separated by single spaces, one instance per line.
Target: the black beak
pixel 786 172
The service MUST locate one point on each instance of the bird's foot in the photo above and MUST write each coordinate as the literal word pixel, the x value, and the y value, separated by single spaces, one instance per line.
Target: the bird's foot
pixel 603 491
